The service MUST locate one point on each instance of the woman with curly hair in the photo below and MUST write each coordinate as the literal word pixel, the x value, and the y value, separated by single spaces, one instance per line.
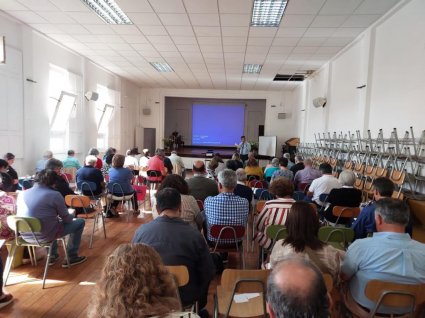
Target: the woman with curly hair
pixel 134 283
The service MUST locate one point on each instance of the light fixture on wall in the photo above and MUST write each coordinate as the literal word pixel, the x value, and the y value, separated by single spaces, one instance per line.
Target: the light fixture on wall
pixel 91 96
pixel 108 11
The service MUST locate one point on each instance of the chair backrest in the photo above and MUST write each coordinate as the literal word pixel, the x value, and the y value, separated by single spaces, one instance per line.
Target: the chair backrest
pixel 116 188
pixel 22 224
pixel 323 197
pixel 180 274
pixel 303 186
pixel 336 234
pixel 200 204
pixel 345 211
pixel 77 201
pixel 87 186
pixel 260 205
pixel 250 280
pixel 252 177
pixel 263 194
pixel 276 232
pixel 153 173
pixel 298 195
pixel 394 294
pixel 232 232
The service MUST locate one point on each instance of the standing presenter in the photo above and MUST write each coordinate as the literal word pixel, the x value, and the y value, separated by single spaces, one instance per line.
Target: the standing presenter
pixel 244 148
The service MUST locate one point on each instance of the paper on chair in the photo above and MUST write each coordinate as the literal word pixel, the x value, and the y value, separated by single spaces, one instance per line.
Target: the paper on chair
pixel 244 298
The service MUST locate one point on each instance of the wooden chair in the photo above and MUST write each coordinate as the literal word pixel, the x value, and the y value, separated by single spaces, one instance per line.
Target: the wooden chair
pixel 234 282
pixel 30 226
pixel 338 237
pixel 345 211
pixel 235 233
pixel 81 201
pixel 180 275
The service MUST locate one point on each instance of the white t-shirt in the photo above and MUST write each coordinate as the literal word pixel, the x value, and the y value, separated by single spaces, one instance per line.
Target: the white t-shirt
pixel 131 161
pixel 324 184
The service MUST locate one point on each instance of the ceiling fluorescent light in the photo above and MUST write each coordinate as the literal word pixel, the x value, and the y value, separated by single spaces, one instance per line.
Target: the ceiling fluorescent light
pixel 268 13
pixel 162 67
pixel 252 68
pixel 108 11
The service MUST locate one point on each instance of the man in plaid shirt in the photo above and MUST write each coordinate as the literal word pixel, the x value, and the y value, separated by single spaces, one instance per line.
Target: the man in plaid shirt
pixel 225 208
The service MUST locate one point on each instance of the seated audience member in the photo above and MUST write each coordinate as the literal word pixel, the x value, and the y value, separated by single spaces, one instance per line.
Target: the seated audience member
pixel 200 186
pixel 7 182
pixel 144 159
pixel 253 169
pixel 283 170
pixel 232 165
pixel 95 152
pixel 156 163
pixel 71 161
pixel 237 158
pixel 120 183
pixel 244 147
pixel 109 151
pixel 347 195
pixel 389 255
pixel 89 173
pixel 10 158
pixel 190 212
pixel 212 165
pixel 296 288
pixel 288 156
pixel 134 283
pixel 268 172
pixel 274 211
pixel 225 208
pixel 365 223
pixel 107 165
pixel 178 165
pixel 48 205
pixel 306 175
pixel 136 153
pixel 131 161
pixel 5 298
pixel 324 184
pixel 241 189
pixel 178 243
pixel 303 226
pixel 41 164
pixel 221 165
pixel 61 185
pixel 168 165
pixel 299 164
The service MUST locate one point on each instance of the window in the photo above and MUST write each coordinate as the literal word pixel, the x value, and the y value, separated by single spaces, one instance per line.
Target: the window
pixel 102 126
pixel 104 113
pixel 64 108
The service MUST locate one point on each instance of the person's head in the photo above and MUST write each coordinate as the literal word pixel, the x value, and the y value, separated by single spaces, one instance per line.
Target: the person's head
pixel 236 156
pixel 160 152
pixel 287 156
pixel 296 288
pixel 347 178
pixel 308 162
pixel 108 158
pixel 282 187
pixel 325 168
pixel 128 152
pixel 90 160
pixel 54 165
pixel 3 165
pixel 46 178
pixel 10 158
pixel 134 283
pixel 71 153
pixel 252 162
pixel 232 165
pixel 303 226
pixel 173 152
pixel 110 151
pixel 93 152
pixel 275 162
pixel 48 154
pixel 175 181
pixel 146 152
pixel 213 164
pixel 241 175
pixel 382 188
pixel 227 180
pixel 298 158
pixel 135 151
pixel 168 199
pixel 391 215
pixel 198 167
pixel 243 138
pixel 118 161
pixel 283 162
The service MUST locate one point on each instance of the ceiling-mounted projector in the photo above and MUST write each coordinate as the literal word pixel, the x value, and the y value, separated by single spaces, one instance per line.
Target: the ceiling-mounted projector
pixel 319 102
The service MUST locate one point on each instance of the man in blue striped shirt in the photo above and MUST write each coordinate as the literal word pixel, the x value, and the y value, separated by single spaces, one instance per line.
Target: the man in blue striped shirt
pixel 225 208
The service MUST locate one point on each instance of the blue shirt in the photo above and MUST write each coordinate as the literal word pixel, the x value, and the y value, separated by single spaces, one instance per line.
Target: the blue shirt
pixel 225 209
pixel 71 162
pixel 387 256
pixel 123 177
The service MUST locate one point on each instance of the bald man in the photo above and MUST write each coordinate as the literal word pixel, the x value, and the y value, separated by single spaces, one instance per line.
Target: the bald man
pixel 199 185
pixel 296 288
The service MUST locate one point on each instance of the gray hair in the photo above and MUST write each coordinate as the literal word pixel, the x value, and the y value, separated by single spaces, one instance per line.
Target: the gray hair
pixel 227 178
pixel 298 158
pixel 93 152
pixel 159 152
pixel 275 162
pixel 287 300
pixel 347 178
pixel 48 154
pixel 241 175
pixel 393 211
pixel 287 155
pixel 53 163
pixel 91 160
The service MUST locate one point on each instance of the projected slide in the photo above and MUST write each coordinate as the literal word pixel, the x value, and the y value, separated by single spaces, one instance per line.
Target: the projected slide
pixel 217 124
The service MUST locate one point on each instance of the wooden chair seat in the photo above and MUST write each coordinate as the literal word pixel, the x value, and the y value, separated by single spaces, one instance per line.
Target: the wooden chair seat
pixel 252 308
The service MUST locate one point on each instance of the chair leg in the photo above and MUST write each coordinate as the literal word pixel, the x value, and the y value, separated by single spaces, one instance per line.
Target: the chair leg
pixel 10 262
pixel 65 251
pixel 46 267
pixel 30 252
pixel 103 224
pixel 92 232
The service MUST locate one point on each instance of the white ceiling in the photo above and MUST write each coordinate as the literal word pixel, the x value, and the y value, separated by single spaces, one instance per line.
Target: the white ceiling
pixel 206 42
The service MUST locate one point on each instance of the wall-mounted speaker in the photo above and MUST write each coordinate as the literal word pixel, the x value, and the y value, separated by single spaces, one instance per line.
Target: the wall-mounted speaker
pixel 146 111
pixel 91 96
pixel 281 115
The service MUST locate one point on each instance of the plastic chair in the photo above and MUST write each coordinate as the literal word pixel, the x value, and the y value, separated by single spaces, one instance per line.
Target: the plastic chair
pixel 181 277
pixel 345 212
pixel 235 233
pixel 81 201
pixel 339 237
pixel 30 226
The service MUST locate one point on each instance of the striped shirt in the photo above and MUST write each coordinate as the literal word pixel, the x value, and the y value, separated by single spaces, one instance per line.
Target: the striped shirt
pixel 274 212
pixel 225 209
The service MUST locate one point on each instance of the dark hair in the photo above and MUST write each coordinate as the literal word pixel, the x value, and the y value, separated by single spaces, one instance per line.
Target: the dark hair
pixel 384 186
pixel 3 163
pixel 118 161
pixel 175 181
pixel 242 137
pixel 110 151
pixel 168 198
pixel 93 152
pixel 252 162
pixel 71 152
pixel 232 164
pixel 134 151
pixel 282 187
pixel 213 163
pixel 393 211
pixel 283 162
pixel 325 168
pixel 53 163
pixel 288 301
pixel 108 158
pixel 46 177
pixel 302 225
pixel 9 156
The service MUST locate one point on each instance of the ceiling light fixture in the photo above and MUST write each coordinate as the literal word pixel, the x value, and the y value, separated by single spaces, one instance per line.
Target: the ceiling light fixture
pixel 162 67
pixel 268 13
pixel 108 11
pixel 252 68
